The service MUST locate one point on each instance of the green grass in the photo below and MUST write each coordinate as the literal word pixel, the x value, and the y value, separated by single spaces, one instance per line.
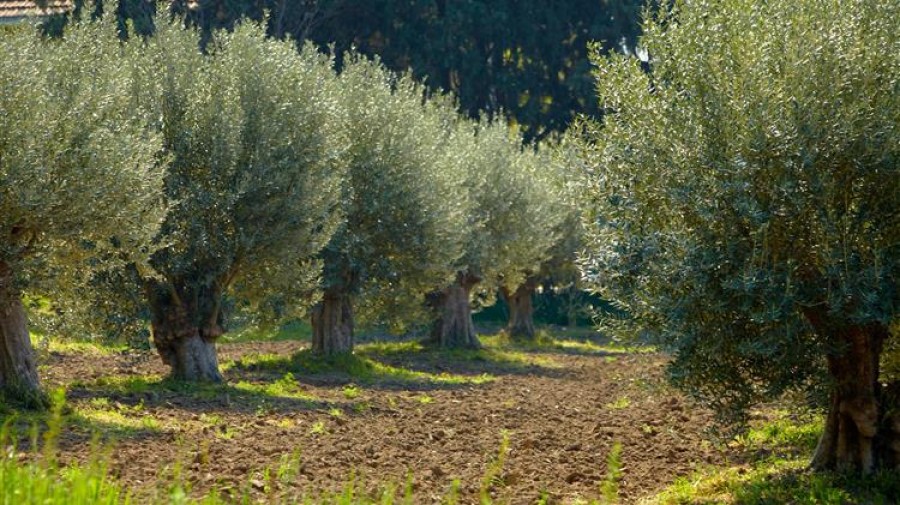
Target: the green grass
pixel 779 448
pixel 350 392
pixel 557 342
pixel 285 387
pixel 355 368
pixel 41 484
pixel 46 482
pixel 296 330
pixel 498 354
pixel 609 487
pixel 115 420
pixel 424 399
pixel 621 403
pixel 69 346
pixel 284 392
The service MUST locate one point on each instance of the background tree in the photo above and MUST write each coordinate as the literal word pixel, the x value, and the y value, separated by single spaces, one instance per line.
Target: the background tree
pixel 512 211
pixel 80 183
pixel 528 58
pixel 745 199
pixel 401 208
pixel 252 135
pixel 559 272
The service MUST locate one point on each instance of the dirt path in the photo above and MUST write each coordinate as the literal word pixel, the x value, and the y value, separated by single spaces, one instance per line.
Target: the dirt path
pixel 562 413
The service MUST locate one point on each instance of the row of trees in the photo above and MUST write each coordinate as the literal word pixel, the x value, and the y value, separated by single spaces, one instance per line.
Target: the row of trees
pixel 250 173
pixel 741 195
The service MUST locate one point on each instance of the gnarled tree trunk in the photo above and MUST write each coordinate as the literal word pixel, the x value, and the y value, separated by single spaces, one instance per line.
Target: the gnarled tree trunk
pixel 18 364
pixel 453 326
pixel 862 428
pixel 521 310
pixel 332 324
pixel 186 323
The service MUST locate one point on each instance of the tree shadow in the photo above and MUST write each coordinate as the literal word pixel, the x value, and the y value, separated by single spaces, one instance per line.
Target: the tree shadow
pixel 30 432
pixel 489 361
pixel 148 393
pixel 801 485
pixel 343 369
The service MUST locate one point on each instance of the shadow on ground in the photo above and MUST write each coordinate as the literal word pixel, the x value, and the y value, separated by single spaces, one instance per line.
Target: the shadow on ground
pixel 280 395
pixel 363 367
pixel 490 361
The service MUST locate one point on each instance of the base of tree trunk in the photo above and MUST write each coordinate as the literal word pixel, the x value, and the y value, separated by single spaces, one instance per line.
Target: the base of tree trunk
pixel 521 311
pixel 861 428
pixel 332 325
pixel 453 326
pixel 185 327
pixel 195 360
pixel 18 364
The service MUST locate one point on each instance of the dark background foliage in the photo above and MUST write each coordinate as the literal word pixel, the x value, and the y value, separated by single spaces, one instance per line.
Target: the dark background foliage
pixel 527 58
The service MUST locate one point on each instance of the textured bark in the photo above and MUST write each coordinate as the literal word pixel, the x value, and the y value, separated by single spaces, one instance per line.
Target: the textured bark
pixel 889 452
pixel 860 433
pixel 453 326
pixel 18 364
pixel 332 324
pixel 521 310
pixel 186 323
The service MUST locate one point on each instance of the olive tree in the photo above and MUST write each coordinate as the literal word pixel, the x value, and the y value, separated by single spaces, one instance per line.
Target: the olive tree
pixel 746 206
pixel 80 182
pixel 252 139
pixel 559 271
pixel 401 208
pixel 512 209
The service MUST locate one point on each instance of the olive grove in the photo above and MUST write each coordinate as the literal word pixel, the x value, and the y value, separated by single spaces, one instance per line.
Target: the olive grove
pixel 744 200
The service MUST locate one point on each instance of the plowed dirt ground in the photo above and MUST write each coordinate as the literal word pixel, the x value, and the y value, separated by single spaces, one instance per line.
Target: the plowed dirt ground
pixel 393 412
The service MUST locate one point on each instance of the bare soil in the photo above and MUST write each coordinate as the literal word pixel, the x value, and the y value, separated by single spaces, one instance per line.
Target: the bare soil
pixel 562 413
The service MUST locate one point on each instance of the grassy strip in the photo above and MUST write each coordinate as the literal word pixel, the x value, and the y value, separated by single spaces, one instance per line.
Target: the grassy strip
pixel 356 367
pixel 779 451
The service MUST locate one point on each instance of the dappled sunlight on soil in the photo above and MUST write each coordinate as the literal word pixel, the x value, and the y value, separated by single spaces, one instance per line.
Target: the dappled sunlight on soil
pixel 389 411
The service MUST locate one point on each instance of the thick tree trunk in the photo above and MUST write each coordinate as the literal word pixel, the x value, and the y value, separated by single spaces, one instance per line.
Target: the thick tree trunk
pixel 18 364
pixel 453 326
pixel 890 450
pixel 186 323
pixel 861 428
pixel 521 310
pixel 332 324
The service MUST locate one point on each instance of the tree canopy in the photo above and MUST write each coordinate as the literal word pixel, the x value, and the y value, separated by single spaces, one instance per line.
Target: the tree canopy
pixel 252 135
pixel 513 207
pixel 80 178
pixel 744 204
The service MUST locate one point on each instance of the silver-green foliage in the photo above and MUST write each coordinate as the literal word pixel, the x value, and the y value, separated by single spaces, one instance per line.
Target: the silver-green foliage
pixel 402 209
pixel 80 178
pixel 253 138
pixel 753 174
pixel 514 203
